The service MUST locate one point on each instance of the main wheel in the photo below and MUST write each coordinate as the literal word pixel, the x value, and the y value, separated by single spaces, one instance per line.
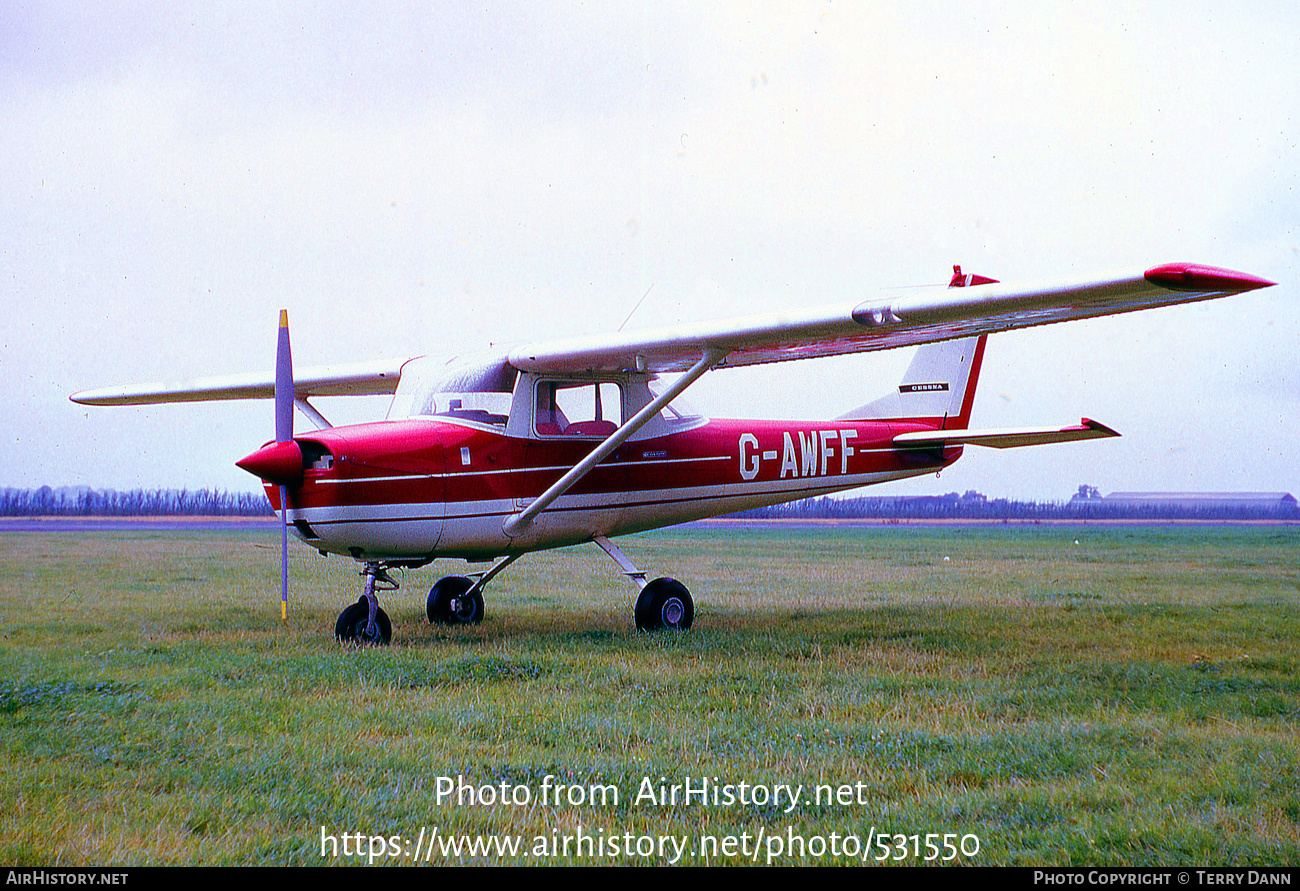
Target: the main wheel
pixel 449 604
pixel 353 621
pixel 664 603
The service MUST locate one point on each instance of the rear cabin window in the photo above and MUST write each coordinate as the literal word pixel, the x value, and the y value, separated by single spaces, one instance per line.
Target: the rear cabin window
pixel 678 414
pixel 587 409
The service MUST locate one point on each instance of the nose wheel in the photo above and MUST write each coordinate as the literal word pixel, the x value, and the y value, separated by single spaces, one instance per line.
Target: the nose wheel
pixel 354 626
pixel 364 622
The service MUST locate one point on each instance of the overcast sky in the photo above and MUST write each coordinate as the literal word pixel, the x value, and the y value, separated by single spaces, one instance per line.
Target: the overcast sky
pixel 429 179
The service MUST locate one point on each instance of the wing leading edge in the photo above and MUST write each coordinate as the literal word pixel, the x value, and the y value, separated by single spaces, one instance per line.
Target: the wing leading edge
pixel 887 323
pixel 358 379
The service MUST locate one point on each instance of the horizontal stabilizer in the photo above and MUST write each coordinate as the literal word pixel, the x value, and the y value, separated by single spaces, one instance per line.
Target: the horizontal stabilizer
pixel 1005 438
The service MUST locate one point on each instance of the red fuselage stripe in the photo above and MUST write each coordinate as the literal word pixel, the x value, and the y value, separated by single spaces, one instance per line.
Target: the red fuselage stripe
pixel 415 462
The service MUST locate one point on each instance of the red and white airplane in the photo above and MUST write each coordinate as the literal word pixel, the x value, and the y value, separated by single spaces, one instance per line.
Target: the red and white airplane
pixel 562 442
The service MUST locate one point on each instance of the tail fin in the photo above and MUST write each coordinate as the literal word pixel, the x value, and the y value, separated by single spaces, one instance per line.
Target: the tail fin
pixel 939 386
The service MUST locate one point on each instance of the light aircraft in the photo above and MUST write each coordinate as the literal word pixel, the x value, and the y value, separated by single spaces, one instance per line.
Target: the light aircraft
pixel 563 442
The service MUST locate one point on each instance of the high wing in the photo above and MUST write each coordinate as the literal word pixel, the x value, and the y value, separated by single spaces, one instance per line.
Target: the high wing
pixel 918 317
pixel 357 379
pixel 885 323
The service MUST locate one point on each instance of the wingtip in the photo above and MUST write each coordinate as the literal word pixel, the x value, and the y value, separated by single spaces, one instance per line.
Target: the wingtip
pixel 92 397
pixel 1097 426
pixel 1195 277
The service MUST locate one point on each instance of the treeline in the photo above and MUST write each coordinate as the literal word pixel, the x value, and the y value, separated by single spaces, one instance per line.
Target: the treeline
pixel 87 502
pixel 973 506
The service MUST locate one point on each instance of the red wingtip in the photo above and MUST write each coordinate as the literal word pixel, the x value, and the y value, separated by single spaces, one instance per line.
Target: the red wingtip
pixel 1194 277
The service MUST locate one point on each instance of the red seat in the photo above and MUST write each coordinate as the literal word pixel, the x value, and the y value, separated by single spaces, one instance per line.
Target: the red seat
pixel 590 428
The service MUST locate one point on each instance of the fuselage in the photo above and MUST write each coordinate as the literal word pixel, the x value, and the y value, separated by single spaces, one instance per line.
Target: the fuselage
pixel 426 488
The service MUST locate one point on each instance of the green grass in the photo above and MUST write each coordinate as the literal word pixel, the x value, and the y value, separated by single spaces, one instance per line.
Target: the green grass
pixel 1130 699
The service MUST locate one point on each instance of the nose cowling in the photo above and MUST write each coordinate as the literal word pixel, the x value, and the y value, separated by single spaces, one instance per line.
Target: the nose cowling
pixel 279 463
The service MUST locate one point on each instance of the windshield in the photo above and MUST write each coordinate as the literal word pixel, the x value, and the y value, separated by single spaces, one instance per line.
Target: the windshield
pixel 478 394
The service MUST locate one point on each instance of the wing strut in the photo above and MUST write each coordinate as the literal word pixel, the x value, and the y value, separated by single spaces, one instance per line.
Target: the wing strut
pixel 515 524
pixel 312 415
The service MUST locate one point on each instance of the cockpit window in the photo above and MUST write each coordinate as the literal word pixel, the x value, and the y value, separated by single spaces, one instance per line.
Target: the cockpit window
pixel 475 393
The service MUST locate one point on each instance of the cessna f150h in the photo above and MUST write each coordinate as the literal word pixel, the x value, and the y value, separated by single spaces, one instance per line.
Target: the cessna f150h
pixel 579 440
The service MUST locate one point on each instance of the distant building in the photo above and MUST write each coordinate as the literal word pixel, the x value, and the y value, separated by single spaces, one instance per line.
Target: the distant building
pixel 1086 505
pixel 1203 500
pixel 1086 495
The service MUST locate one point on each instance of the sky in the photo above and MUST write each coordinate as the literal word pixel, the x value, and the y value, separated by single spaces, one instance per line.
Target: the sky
pixel 439 179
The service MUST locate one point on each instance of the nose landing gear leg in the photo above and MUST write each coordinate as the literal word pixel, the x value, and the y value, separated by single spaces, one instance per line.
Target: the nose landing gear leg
pixel 364 622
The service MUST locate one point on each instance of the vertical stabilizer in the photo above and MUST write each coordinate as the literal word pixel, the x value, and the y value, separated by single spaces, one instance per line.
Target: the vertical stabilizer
pixel 939 385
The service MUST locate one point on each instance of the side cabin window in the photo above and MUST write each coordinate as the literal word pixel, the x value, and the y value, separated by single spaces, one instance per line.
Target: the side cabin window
pixel 678 414
pixel 591 408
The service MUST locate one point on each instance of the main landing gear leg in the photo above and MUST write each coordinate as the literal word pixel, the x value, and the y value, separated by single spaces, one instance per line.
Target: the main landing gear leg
pixel 663 602
pixel 364 622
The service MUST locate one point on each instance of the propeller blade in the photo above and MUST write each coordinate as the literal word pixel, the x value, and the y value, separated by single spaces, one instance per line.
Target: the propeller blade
pixel 284 433
pixel 284 553
pixel 283 383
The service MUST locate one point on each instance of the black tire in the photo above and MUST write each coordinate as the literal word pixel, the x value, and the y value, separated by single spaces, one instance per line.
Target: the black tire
pixel 352 623
pixel 664 604
pixel 448 605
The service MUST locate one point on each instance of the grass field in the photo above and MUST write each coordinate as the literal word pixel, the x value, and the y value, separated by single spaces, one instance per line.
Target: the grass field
pixel 1131 698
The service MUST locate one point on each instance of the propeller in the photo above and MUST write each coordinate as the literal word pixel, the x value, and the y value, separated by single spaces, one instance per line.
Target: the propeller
pixel 283 435
pixel 280 462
